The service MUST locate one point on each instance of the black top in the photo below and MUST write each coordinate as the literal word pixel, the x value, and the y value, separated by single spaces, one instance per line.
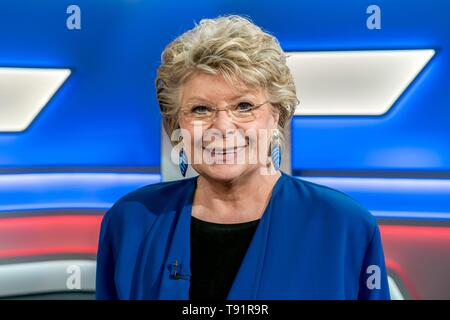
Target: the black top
pixel 217 251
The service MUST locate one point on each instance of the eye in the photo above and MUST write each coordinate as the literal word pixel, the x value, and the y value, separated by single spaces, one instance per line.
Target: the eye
pixel 201 110
pixel 244 107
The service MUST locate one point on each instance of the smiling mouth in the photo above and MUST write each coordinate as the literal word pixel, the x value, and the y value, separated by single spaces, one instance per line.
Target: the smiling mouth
pixel 224 152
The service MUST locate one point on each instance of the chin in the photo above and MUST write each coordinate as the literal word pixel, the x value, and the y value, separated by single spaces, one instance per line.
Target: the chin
pixel 224 172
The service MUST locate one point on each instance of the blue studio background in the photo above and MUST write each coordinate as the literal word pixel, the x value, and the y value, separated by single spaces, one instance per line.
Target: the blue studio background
pixel 106 113
pixel 99 136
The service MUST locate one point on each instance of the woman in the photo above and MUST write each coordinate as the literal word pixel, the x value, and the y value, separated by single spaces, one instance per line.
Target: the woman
pixel 242 229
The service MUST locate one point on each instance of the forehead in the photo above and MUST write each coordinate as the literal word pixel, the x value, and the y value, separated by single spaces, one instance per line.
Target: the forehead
pixel 215 88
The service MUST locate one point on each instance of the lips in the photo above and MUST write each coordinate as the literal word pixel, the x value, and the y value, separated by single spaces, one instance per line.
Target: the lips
pixel 224 152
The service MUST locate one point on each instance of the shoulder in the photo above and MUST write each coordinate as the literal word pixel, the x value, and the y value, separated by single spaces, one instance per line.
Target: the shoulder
pixel 332 206
pixel 138 209
pixel 159 196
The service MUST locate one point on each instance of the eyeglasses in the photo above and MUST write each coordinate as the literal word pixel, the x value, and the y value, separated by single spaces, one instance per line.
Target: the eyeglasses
pixel 240 112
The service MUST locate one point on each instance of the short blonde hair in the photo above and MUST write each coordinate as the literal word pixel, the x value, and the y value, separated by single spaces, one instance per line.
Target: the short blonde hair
pixel 234 47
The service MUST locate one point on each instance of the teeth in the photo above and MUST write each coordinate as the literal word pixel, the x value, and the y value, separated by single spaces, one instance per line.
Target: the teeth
pixel 226 151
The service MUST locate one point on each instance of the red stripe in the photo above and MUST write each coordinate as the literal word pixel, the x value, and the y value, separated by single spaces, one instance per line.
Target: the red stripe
pixel 40 235
pixel 420 255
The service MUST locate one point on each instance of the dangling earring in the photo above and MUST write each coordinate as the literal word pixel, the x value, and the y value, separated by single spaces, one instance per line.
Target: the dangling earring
pixel 182 163
pixel 276 152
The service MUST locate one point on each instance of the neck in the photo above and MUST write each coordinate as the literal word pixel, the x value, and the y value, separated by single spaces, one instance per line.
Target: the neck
pixel 241 200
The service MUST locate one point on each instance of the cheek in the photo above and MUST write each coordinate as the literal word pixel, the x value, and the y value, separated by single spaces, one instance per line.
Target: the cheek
pixel 268 120
pixel 192 140
pixel 262 127
pixel 259 136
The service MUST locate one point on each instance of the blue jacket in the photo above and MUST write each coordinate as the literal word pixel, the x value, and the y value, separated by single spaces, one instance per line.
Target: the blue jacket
pixel 312 242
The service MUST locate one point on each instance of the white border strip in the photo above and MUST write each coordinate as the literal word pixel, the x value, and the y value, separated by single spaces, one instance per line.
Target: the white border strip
pixel 46 277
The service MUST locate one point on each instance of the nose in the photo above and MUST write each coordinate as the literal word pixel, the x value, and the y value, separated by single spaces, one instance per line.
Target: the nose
pixel 223 122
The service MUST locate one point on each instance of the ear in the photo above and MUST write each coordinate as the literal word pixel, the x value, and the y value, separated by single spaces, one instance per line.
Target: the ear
pixel 276 117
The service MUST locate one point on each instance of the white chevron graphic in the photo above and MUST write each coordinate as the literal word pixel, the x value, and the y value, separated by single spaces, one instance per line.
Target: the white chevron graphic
pixel 24 92
pixel 353 82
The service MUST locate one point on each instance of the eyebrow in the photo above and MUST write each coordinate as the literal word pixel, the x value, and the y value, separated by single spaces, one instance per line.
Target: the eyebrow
pixel 240 96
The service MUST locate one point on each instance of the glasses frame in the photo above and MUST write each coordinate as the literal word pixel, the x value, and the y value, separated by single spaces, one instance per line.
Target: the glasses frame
pixel 226 108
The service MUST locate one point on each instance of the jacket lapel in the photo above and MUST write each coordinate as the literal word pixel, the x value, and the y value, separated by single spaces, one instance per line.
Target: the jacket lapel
pixel 176 274
pixel 248 279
